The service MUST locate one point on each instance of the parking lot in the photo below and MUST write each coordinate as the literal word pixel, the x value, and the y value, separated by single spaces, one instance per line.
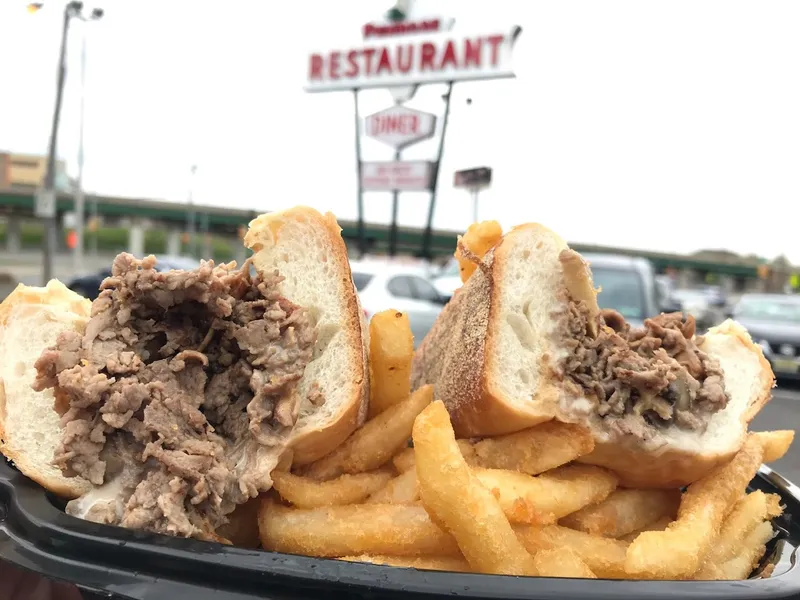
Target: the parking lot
pixel 783 412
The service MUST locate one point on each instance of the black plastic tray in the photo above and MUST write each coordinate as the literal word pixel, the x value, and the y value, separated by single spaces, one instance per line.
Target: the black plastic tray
pixel 117 563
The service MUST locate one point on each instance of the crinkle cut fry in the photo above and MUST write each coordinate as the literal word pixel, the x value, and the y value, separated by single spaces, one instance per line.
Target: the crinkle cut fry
pixel 676 552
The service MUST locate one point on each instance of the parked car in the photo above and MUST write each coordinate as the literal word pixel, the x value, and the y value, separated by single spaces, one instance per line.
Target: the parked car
pixel 716 295
pixel 88 286
pixel 695 303
pixel 384 286
pixel 628 285
pixel 448 279
pixel 773 321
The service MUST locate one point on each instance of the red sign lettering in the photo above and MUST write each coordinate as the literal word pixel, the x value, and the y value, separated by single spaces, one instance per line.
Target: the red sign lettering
pixel 393 124
pixel 425 56
pixel 390 29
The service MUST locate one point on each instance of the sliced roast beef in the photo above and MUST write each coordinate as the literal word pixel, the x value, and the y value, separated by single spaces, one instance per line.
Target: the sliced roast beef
pixel 186 374
pixel 642 379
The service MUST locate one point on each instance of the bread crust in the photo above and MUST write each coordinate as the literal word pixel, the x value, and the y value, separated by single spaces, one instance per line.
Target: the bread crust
pixel 456 358
pixel 54 294
pixel 313 443
pixel 767 380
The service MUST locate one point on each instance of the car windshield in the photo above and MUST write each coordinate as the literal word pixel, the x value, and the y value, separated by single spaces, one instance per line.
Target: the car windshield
pixel 184 263
pixel 767 309
pixel 621 290
pixel 361 280
pixel 449 270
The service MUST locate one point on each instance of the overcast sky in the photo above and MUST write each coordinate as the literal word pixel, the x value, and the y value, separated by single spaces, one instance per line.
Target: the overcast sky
pixel 671 126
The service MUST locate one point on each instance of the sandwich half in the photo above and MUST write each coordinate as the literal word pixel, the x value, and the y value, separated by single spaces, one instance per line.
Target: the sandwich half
pixel 184 390
pixel 31 319
pixel 524 342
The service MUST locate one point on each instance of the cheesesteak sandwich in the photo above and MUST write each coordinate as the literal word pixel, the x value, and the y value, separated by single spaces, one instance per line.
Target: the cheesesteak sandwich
pixel 524 342
pixel 181 391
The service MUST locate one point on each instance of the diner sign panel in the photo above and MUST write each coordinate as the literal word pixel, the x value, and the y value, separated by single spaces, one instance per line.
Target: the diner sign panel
pixel 413 59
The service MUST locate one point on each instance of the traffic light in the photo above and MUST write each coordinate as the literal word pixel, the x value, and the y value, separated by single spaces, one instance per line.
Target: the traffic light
pixel 34 7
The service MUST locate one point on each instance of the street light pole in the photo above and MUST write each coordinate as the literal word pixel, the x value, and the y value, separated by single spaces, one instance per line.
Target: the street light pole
pixel 50 175
pixel 48 193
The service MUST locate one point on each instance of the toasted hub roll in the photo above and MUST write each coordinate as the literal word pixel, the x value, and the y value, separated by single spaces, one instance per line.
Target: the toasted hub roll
pixel 307 248
pixel 524 341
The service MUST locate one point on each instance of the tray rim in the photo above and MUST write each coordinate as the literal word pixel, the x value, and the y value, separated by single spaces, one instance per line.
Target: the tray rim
pixel 35 535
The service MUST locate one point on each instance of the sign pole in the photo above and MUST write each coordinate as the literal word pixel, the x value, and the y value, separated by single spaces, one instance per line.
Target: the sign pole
pixel 426 239
pixel 393 229
pixel 361 240
pixel 475 193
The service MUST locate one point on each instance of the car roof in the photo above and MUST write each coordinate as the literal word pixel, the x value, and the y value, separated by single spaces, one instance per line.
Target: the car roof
pixel 181 262
pixel 619 261
pixel 378 267
pixel 779 297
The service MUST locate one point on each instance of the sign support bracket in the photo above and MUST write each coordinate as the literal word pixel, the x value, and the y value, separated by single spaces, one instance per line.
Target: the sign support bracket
pixel 427 236
pixel 361 236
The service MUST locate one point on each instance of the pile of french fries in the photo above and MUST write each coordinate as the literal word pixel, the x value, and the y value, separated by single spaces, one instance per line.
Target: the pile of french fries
pixel 515 504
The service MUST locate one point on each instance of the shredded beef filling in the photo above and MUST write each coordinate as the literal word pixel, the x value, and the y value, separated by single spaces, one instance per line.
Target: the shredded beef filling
pixel 187 378
pixel 643 379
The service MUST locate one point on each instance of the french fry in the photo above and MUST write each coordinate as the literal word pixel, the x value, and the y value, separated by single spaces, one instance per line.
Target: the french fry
pixel 775 443
pixel 535 450
pixel 676 552
pixel 345 489
pixel 478 240
pixel 604 556
pixel 545 499
pixel 561 562
pixel 752 549
pixel 659 525
pixel 403 489
pixel 454 564
pixel 380 529
pixel 625 511
pixel 455 498
pixel 391 348
pixel 374 444
pixel 404 460
pixel 752 510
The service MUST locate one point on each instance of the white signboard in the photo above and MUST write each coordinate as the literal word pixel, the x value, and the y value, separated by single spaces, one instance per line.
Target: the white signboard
pixel 44 203
pixel 399 126
pixel 401 176
pixel 414 59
